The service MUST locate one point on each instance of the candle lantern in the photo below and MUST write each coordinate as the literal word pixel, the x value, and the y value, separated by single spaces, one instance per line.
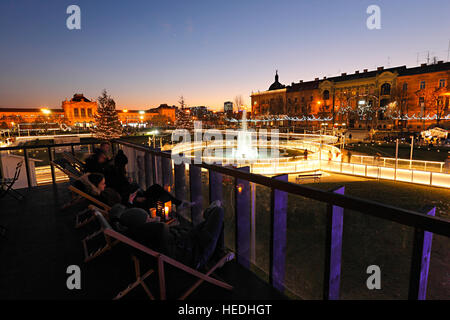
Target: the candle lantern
pixel 153 212
pixel 167 209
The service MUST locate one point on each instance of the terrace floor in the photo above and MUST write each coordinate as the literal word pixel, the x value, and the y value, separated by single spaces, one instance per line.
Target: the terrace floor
pixel 41 242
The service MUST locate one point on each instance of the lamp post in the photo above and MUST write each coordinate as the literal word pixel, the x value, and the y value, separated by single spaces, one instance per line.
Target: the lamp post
pixel 126 116
pixel 396 159
pixel 47 113
pixel 141 117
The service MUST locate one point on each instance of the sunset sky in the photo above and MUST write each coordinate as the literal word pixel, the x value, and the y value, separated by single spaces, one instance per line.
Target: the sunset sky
pixel 150 52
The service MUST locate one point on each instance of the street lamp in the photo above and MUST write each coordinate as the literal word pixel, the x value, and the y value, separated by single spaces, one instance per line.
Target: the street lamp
pixel 126 116
pixel 46 111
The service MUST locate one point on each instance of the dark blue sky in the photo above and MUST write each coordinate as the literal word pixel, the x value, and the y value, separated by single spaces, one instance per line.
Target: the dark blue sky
pixel 150 52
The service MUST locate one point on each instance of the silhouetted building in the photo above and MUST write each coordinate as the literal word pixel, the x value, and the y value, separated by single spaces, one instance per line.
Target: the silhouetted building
pixel 228 107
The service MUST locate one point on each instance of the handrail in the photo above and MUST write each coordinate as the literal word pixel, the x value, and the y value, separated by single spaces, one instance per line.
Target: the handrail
pixel 403 216
pixel 44 146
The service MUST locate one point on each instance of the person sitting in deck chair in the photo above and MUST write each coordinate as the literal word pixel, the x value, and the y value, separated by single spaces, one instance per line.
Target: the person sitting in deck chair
pixel 94 184
pixel 131 195
pixel 130 192
pixel 134 197
pixel 97 162
pixel 116 175
pixel 105 147
pixel 193 246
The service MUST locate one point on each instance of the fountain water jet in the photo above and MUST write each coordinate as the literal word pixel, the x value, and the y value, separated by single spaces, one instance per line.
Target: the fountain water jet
pixel 245 148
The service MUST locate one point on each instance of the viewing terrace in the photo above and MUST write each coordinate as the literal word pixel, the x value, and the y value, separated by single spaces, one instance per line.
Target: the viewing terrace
pixel 290 240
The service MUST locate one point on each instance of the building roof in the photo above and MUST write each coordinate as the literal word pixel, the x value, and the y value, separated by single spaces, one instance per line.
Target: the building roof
pixel 424 68
pixel 78 97
pixel 27 110
pixel 309 85
pixel 276 85
pixel 400 70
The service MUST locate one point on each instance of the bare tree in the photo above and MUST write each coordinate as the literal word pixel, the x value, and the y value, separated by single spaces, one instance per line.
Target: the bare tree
pixel 291 106
pixel 432 100
pixel 182 102
pixel 370 109
pixel 400 108
pixel 238 102
pixel 439 102
pixel 345 109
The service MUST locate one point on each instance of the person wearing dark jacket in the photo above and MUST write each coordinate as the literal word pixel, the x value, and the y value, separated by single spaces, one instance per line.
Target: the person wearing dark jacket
pixel 96 162
pixel 94 184
pixel 116 175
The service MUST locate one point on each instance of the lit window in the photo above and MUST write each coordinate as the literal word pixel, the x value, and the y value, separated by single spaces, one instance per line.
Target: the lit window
pixel 422 85
pixel 405 87
pixel 386 89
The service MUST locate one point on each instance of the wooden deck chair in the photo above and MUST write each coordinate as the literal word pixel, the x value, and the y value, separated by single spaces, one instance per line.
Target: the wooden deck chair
pixel 161 260
pixel 74 161
pixel 70 173
pixel 97 243
pixel 73 175
pixel 82 218
pixel 6 184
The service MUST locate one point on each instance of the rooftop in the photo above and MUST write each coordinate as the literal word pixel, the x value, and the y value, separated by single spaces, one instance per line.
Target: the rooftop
pixel 400 70
pixel 78 97
pixel 42 242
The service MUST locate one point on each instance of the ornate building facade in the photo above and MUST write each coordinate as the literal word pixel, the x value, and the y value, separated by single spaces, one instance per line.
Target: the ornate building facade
pixel 80 111
pixel 383 98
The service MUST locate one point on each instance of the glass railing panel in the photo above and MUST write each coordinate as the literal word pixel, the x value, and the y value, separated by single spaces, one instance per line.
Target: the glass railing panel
pixel 229 208
pixel 260 230
pixel 305 249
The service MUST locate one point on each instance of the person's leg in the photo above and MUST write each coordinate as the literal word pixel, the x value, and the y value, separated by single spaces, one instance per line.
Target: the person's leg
pixel 207 234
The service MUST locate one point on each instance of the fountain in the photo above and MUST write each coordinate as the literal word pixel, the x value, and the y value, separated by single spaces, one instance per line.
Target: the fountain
pixel 245 148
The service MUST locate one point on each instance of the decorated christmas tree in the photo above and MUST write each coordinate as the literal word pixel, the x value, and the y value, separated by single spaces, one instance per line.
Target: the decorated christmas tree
pixel 107 122
pixel 183 117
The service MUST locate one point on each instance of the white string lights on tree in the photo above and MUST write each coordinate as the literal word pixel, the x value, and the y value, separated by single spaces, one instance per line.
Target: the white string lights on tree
pixel 107 124
pixel 283 118
pixel 426 117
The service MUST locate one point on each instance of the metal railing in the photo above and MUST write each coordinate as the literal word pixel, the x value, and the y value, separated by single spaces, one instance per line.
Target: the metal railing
pixel 154 166
pixel 434 166
pixel 39 169
pixel 430 178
